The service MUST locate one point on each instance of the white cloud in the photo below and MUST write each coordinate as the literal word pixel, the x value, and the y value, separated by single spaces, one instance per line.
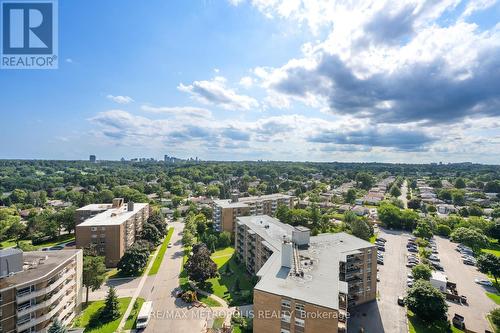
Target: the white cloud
pixel 246 81
pixel 120 99
pixel 180 111
pixel 477 5
pixel 215 92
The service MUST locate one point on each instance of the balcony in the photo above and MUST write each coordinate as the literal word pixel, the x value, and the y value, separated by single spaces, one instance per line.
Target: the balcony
pixel 46 303
pixel 62 305
pixel 26 296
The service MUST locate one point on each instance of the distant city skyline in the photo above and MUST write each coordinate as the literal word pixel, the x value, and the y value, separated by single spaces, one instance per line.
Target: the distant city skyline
pixel 307 80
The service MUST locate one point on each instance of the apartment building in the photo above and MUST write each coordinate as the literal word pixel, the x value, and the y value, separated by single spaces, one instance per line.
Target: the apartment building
pixel 306 283
pixel 38 287
pixel 114 230
pixel 226 211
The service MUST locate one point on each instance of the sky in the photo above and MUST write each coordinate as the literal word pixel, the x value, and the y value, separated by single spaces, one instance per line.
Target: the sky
pixel 302 80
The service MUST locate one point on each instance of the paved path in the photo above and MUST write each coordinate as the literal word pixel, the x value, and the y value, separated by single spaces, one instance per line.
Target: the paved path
pixel 169 313
pixel 404 193
pixel 138 290
pixel 385 315
pixel 479 305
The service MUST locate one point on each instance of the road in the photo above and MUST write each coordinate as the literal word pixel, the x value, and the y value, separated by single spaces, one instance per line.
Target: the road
pixel 479 304
pixel 404 193
pixel 386 315
pixel 171 314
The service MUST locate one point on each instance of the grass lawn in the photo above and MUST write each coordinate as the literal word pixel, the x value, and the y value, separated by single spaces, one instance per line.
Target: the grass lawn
pixel 89 318
pixel 161 253
pixel 495 252
pixel 418 326
pixel 224 285
pixel 26 243
pixel 494 297
pixel 130 323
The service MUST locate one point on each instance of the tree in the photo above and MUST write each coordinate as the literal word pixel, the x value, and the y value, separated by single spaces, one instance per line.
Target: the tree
pixel 421 272
pixel 224 239
pixel 495 316
pixel 395 191
pixel 350 196
pixel 460 183
pixel 489 263
pixel 350 217
pixel 470 237
pixel 111 310
pixel 443 230
pixel 475 210
pixel 187 238
pixel 57 327
pixel 364 180
pixel 134 260
pixel 66 219
pixel 458 198
pixel 423 230
pixel 200 267
pixel 389 214
pixel 151 233
pixel 414 203
pixel 426 302
pixel 361 229
pixel 94 273
pixel 158 221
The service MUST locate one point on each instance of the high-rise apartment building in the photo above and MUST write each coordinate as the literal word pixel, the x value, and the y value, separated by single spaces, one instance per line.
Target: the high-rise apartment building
pixel 112 231
pixel 306 283
pixel 227 210
pixel 38 287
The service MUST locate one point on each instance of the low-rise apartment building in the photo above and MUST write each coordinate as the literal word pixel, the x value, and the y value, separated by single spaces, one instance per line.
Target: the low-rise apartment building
pixel 113 231
pixel 38 287
pixel 306 283
pixel 227 210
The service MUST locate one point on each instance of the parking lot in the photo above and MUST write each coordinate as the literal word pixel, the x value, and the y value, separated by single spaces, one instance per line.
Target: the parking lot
pixel 479 305
pixel 386 315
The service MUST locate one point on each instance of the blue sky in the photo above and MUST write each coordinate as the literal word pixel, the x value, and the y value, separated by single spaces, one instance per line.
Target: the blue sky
pixel 290 80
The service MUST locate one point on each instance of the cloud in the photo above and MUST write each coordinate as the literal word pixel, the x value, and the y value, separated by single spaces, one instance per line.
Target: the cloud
pixel 476 5
pixel 179 111
pixel 120 99
pixel 400 139
pixel 246 81
pixel 395 64
pixel 215 92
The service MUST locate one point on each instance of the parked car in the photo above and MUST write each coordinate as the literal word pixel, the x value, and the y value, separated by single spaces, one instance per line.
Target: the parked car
pixel 469 262
pixel 381 239
pixel 437 266
pixel 380 261
pixel 401 301
pixel 484 282
pixel 381 248
pixel 169 245
pixel 411 264
pixel 412 249
pixel 458 321
pixel 409 283
pixel 434 258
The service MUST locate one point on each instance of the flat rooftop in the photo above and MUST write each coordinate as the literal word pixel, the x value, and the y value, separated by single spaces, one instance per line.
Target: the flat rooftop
pixel 112 216
pixel 36 265
pixel 96 207
pixel 319 262
pixel 269 228
pixel 244 201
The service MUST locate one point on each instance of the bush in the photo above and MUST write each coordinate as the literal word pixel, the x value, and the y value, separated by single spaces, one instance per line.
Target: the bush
pixel 443 230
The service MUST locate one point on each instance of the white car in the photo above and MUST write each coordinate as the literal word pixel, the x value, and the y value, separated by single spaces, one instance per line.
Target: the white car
pixel 484 282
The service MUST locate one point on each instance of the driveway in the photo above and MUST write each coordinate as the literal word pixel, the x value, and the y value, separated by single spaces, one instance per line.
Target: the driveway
pixel 463 275
pixel 385 315
pixel 169 313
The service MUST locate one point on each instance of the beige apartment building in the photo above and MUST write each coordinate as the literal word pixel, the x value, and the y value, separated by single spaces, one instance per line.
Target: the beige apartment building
pixel 227 210
pixel 114 230
pixel 306 283
pixel 38 287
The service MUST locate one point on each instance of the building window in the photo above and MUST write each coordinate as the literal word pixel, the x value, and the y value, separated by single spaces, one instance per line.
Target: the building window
pixel 285 317
pixel 300 310
pixel 93 229
pixel 285 303
pixel 368 289
pixel 281 331
pixel 299 322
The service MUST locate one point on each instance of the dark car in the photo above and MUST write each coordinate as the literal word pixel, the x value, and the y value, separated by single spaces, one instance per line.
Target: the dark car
pixel 56 248
pixel 412 249
pixel 437 266
pixel 381 248
pixel 380 239
pixel 380 262
pixel 401 301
